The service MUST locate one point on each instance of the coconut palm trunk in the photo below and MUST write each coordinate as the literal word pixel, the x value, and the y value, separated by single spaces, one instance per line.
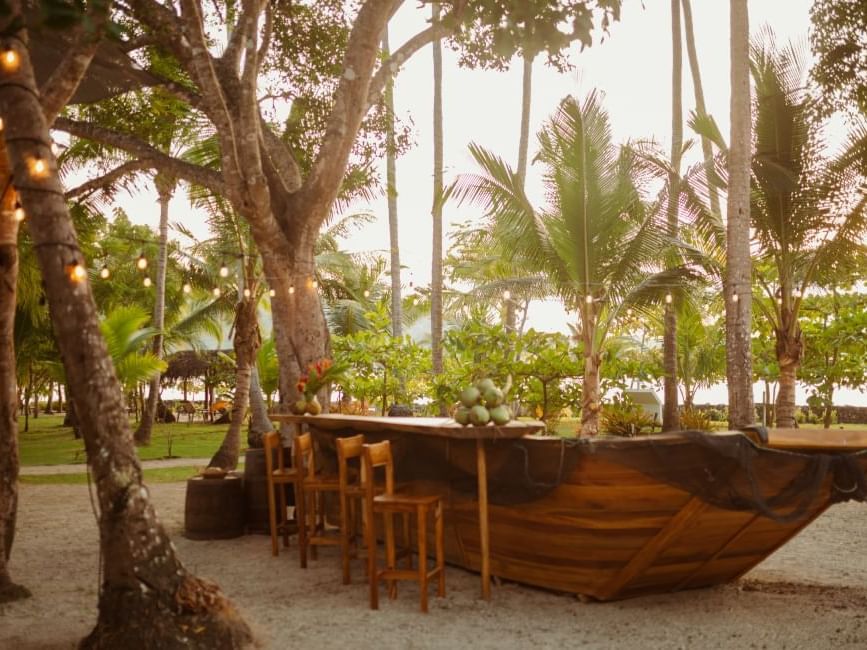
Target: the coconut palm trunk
pixel 260 424
pixel 391 192
pixel 147 597
pixel 9 462
pixel 165 187
pixel 591 397
pixel 790 352
pixel 738 277
pixel 670 419
pixel 526 96
pixel 437 210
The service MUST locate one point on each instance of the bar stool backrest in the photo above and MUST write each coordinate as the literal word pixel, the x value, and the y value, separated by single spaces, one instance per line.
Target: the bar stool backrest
pixel 272 441
pixel 349 450
pixel 377 455
pixel 302 452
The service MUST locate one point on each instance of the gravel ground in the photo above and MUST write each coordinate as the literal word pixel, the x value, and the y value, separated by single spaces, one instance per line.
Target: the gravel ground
pixel 812 593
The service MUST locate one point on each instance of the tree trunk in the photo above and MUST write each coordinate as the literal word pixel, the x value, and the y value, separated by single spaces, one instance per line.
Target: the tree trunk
pixel 829 406
pixel 526 95
pixel 49 405
pixel 391 192
pixel 790 351
pixel 9 462
pixel 260 423
pixel 591 398
pixel 700 109
pixel 147 597
pixel 246 342
pixel 670 419
pixel 436 297
pixel 27 390
pixel 165 187
pixel 738 278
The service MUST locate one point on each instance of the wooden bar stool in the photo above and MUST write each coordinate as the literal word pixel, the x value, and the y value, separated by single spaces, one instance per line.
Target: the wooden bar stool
pixel 388 503
pixel 312 487
pixel 279 477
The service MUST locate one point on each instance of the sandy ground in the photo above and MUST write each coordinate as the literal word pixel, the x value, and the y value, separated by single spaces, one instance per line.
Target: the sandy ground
pixel 810 594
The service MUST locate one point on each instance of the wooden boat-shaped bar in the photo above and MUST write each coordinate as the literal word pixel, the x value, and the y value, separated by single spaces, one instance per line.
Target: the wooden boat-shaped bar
pixel 616 518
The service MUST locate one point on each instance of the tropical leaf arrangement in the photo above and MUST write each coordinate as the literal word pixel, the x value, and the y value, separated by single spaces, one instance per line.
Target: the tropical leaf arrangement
pixel 319 374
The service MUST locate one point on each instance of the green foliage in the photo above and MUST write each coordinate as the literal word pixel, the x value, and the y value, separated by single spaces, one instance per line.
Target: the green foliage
pixel 837 38
pixel 695 420
pixel 621 417
pixel 125 336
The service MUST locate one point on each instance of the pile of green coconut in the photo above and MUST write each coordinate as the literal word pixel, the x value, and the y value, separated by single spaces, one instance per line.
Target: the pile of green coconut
pixel 484 403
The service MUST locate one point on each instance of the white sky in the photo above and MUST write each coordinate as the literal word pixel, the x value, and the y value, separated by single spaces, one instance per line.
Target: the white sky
pixel 633 69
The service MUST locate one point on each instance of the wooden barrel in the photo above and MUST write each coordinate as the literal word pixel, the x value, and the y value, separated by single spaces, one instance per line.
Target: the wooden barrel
pixel 214 508
pixel 256 492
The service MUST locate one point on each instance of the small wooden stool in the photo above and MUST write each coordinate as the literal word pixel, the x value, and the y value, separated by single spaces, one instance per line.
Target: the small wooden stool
pixel 278 476
pixel 388 504
pixel 312 488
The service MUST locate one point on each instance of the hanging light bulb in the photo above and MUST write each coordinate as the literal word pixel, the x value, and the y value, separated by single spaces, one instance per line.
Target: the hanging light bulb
pixel 76 271
pixel 588 299
pixel 629 312
pixel 10 59
pixel 142 262
pixel 735 297
pixel 668 298
pixel 217 293
pixel 224 270
pixel 247 293
pixel 104 272
pixel 1 123
pixel 314 284
pixel 19 213
pixel 147 281
pixel 273 293
pixel 507 295
pixel 291 290
pixel 366 293
pixel 187 288
pixel 779 301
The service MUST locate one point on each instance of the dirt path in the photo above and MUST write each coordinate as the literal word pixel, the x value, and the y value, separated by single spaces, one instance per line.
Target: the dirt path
pixel 810 594
pixel 80 468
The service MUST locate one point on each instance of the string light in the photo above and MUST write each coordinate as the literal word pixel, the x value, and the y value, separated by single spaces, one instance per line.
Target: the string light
pixel 779 301
pixel 19 213
pixel 38 167
pixel 366 293
pixel 1 123
pixel 629 312
pixel 186 288
pixel 796 293
pixel 314 284
pixel 217 293
pixel 273 293
pixel 104 272
pixel 147 281
pixel 668 298
pixel 291 290
pixel 10 59
pixel 247 293
pixel 735 297
pixel 588 299
pixel 142 262
pixel 224 270
pixel 76 272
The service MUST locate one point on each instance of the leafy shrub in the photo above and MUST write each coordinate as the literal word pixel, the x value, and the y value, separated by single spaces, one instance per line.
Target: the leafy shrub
pixel 623 418
pixel 716 414
pixel 695 420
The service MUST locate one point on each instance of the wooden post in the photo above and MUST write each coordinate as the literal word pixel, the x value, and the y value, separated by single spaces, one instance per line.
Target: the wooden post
pixel 484 540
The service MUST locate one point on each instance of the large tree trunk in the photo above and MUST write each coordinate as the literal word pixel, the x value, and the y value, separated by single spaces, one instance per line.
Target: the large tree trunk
pixel 165 187
pixel 700 109
pixel 738 278
pixel 246 342
pixel 670 419
pixel 790 351
pixel 147 597
pixel 9 462
pixel 436 294
pixel 526 95
pixel 391 192
pixel 591 397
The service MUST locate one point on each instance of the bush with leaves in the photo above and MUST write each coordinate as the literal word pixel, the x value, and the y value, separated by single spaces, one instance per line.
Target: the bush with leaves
pixel 621 417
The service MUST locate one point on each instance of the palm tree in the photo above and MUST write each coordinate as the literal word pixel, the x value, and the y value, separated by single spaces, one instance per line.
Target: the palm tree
pixel 436 319
pixel 391 193
pixel 738 292
pixel 126 338
pixel 596 239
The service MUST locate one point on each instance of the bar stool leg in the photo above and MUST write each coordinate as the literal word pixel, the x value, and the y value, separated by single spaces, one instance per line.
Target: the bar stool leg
pixel 272 518
pixel 370 540
pixel 421 514
pixel 389 552
pixel 440 550
pixel 407 540
pixel 281 492
pixel 344 537
pixel 301 520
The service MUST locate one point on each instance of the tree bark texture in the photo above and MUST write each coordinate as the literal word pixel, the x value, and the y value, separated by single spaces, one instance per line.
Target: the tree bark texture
pixel 9 461
pixel 147 597
pixel 790 352
pixel 738 278
pixel 260 424
pixel 165 188
pixel 526 96
pixel 246 343
pixel 670 419
pixel 391 192
pixel 591 397
pixel 436 297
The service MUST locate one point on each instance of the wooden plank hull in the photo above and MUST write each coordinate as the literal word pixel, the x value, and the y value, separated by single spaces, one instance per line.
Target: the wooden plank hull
pixel 589 520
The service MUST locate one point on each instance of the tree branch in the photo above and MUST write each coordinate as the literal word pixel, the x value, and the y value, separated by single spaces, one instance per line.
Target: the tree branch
pixel 63 82
pixel 187 171
pixel 108 178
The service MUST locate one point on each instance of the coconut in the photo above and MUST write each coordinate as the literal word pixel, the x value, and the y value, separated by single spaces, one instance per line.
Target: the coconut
pixel 470 396
pixel 479 415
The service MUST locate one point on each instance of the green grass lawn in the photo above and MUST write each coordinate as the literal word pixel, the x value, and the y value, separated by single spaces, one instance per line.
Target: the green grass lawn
pixel 50 443
pixel 157 475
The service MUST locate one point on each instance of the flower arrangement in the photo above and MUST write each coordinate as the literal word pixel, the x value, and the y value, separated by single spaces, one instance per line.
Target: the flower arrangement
pixel 319 373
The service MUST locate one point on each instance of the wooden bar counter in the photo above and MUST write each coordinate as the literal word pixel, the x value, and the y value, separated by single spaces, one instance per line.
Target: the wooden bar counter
pixel 385 427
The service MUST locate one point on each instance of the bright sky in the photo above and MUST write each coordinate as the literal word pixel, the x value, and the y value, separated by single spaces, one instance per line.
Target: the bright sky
pixel 633 69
